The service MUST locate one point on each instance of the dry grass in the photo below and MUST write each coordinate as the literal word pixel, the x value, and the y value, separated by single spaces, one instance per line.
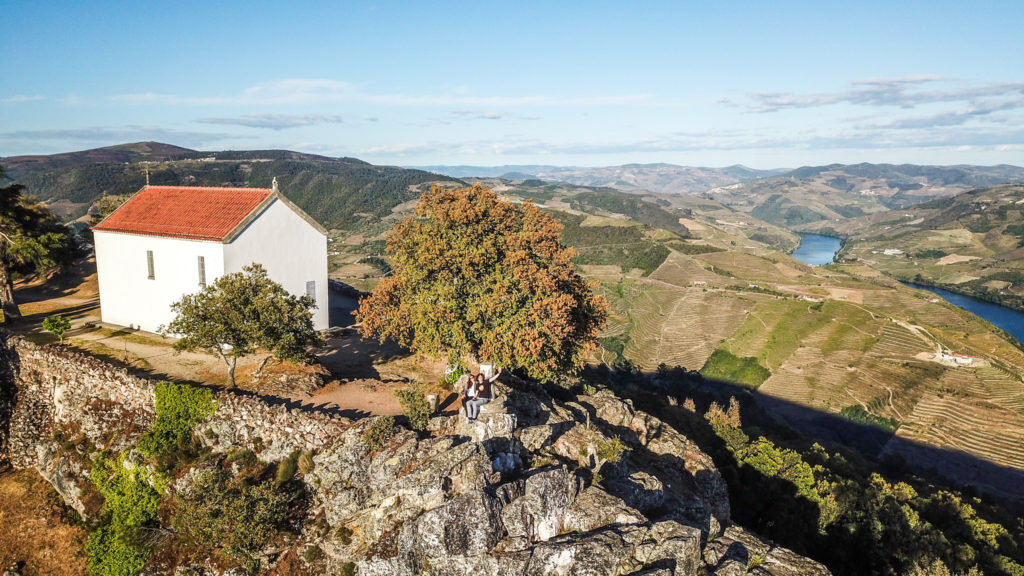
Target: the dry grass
pixel 38 529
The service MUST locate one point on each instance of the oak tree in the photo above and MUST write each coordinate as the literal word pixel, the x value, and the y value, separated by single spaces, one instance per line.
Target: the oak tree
pixel 32 239
pixel 241 312
pixel 473 275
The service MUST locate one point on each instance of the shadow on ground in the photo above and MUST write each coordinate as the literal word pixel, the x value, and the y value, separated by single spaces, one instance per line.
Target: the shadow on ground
pixel 955 466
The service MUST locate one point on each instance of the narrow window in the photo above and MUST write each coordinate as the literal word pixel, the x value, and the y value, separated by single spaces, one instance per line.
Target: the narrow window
pixel 202 271
pixel 311 289
pixel 149 264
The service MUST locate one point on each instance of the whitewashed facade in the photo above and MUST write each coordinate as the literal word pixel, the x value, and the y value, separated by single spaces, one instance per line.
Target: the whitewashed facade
pixel 142 272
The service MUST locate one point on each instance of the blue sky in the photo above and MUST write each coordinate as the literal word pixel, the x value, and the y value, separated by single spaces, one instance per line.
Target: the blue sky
pixel 765 84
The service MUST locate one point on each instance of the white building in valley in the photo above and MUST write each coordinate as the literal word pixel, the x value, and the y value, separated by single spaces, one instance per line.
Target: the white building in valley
pixel 167 241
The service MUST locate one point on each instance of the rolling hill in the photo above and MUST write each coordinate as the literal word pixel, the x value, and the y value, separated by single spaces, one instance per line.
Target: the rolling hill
pixel 814 198
pixel 658 178
pixel 972 243
pixel 341 193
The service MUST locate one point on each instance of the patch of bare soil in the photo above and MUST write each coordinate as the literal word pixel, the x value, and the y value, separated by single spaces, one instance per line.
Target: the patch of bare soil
pixel 39 530
pixel 74 293
pixel 955 259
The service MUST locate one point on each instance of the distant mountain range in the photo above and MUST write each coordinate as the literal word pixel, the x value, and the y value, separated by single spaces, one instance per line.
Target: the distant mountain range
pixel 338 192
pixel 660 178
pixel 806 198
pixel 345 192
pixel 785 197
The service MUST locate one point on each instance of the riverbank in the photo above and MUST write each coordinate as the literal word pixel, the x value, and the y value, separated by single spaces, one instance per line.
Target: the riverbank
pixel 1010 321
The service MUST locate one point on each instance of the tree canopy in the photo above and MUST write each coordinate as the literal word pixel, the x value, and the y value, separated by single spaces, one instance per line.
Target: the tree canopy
pixel 31 239
pixel 240 312
pixel 475 275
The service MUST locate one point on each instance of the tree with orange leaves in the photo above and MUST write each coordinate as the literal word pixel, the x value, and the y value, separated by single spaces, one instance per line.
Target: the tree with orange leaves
pixel 473 275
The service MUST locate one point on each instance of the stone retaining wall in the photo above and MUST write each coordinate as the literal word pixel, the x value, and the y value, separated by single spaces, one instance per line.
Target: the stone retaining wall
pixel 65 394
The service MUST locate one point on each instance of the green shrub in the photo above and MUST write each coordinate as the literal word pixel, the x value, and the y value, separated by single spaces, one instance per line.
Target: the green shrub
pixel 117 546
pixel 857 413
pixel 286 468
pixel 347 569
pixel 616 344
pixel 610 450
pixel 344 534
pixel 56 325
pixel 312 554
pixel 379 433
pixel 108 554
pixel 179 407
pixel 746 371
pixel 222 511
pixel 414 406
pixel 306 463
pixel 453 376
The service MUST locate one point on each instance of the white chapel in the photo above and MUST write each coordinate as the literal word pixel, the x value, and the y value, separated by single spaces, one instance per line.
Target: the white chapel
pixel 167 241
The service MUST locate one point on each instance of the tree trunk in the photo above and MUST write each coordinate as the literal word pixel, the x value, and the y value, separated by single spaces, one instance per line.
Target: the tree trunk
pixel 10 309
pixel 230 364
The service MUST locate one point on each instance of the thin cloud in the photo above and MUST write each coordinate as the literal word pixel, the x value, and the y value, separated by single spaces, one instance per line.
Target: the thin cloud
pixel 275 121
pixel 306 91
pixel 19 98
pixel 951 118
pixel 899 92
pixel 104 136
pixel 477 115
pixel 994 137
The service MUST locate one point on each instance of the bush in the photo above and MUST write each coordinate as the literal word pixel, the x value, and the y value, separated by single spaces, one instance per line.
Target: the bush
pixel 379 433
pixel 347 569
pixel 312 554
pixel 344 535
pixel 56 325
pixel 452 377
pixel 306 462
pixel 179 407
pixel 610 450
pixel 745 371
pixel 117 546
pixel 221 511
pixel 414 406
pixel 286 468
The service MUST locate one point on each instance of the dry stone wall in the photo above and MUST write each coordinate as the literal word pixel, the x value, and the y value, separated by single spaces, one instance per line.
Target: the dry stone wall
pixel 64 395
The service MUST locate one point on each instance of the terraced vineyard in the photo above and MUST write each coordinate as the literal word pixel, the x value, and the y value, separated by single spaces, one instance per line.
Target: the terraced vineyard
pixel 832 338
pixel 809 379
pixel 1003 389
pixel 897 342
pixel 680 327
pixel 970 425
pixel 683 270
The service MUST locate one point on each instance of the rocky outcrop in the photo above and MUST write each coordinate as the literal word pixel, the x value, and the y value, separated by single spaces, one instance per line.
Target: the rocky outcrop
pixel 512 493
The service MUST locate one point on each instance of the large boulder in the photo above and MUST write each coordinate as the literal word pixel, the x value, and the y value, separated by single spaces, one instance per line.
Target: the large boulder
pixel 539 514
pixel 594 508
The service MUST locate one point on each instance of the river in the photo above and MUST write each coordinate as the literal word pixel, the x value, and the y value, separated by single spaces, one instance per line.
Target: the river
pixel 1006 318
pixel 817 250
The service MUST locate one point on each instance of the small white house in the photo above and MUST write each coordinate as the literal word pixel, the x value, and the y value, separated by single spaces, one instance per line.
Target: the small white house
pixel 167 241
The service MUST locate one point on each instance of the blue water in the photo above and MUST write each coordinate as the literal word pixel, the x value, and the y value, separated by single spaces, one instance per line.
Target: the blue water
pixel 817 250
pixel 1006 318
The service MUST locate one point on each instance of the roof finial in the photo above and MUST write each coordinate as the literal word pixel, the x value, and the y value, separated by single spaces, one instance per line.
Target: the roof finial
pixel 145 168
pixel 273 184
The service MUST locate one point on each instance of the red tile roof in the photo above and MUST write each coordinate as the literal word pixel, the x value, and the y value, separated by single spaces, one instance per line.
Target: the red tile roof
pixel 197 213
